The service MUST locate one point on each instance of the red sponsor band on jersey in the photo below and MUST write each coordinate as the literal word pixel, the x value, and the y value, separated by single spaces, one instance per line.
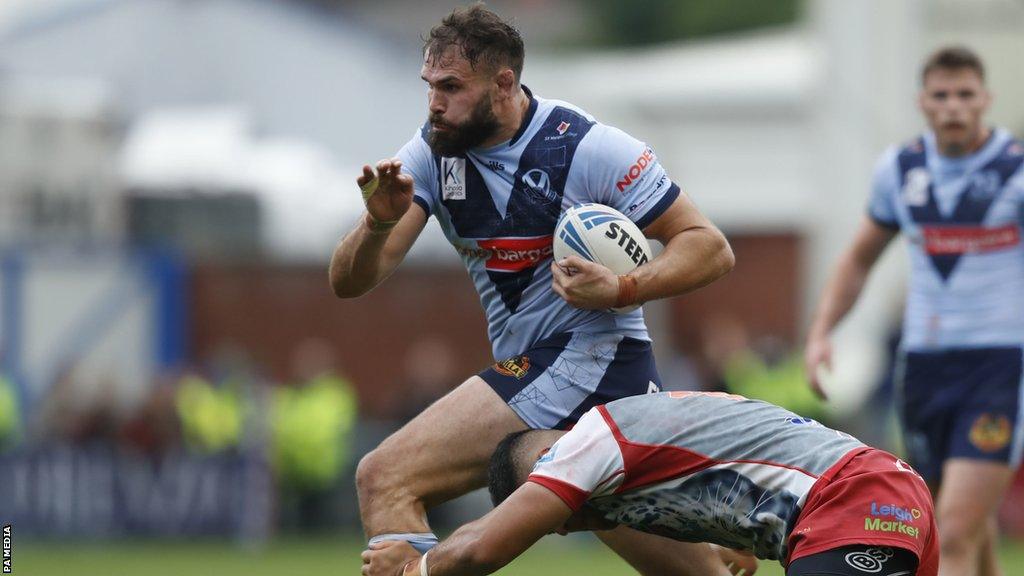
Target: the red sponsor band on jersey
pixel 515 254
pixel 967 239
pixel 642 163
pixel 473 252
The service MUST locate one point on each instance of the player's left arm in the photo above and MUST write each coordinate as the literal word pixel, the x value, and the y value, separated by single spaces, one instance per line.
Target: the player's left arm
pixel 483 546
pixel 620 171
pixel 696 254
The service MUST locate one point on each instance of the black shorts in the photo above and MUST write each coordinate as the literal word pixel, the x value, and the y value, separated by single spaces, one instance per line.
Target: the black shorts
pixel 858 560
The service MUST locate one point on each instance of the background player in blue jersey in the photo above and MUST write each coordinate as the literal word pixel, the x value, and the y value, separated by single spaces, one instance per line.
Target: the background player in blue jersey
pixel 496 165
pixel 957 195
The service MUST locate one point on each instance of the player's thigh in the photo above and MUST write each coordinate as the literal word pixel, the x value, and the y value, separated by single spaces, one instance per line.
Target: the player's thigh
pixel 856 560
pixel 650 554
pixel 970 493
pixel 444 451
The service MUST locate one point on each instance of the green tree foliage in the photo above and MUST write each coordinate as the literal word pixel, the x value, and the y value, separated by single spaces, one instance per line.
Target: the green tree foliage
pixel 641 22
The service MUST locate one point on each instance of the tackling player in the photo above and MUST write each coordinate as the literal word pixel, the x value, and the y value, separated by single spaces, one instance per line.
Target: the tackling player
pixel 496 165
pixel 957 194
pixel 696 466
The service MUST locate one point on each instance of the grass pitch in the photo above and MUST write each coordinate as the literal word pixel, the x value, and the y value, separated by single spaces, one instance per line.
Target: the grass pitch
pixel 321 555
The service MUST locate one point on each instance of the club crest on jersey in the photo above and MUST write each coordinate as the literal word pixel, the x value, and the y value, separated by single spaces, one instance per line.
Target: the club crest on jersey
pixel 915 190
pixel 562 128
pixel 516 366
pixel 538 182
pixel 453 178
pixel 984 185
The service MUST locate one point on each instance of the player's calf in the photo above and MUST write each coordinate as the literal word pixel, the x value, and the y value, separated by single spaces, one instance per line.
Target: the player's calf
pixel 381 486
pixel 382 490
pixel 439 455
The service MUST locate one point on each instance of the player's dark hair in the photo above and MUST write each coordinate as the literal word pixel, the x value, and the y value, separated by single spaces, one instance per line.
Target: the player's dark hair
pixel 502 473
pixel 481 36
pixel 953 58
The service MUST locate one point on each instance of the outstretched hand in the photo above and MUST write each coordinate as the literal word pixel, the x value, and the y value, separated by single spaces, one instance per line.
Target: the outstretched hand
pixel 390 190
pixel 584 284
pixel 389 558
pixel 817 355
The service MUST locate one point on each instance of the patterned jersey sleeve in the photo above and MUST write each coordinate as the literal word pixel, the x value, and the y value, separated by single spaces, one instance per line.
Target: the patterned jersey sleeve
pixel 418 161
pixel 1016 185
pixel 583 464
pixel 885 186
pixel 624 173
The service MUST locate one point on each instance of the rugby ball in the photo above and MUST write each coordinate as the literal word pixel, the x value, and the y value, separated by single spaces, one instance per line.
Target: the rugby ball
pixel 603 235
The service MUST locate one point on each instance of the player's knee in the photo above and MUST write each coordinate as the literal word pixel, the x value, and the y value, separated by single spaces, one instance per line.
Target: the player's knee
pixel 958 538
pixel 372 476
pixel 951 547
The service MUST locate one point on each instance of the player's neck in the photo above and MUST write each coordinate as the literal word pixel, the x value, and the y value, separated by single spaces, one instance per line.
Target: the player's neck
pixel 957 150
pixel 510 120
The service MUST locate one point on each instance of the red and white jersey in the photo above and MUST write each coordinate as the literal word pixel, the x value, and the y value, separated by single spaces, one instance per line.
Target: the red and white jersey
pixel 696 467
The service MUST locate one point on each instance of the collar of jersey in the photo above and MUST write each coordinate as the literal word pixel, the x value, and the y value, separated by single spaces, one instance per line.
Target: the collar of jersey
pixel 527 118
pixel 996 139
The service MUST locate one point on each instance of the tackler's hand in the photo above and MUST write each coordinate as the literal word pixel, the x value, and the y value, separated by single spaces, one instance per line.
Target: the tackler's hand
pixel 390 558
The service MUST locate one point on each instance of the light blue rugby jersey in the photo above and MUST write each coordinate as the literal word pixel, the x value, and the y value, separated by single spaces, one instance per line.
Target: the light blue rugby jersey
pixel 962 219
pixel 498 207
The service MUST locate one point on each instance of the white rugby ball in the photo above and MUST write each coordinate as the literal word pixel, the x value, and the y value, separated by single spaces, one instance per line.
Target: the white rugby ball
pixel 603 235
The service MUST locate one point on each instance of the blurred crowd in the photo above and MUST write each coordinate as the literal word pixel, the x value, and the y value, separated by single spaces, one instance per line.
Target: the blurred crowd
pixel 308 429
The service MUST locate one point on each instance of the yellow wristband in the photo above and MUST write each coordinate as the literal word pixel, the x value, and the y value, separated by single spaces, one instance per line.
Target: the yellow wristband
pixel 377 226
pixel 369 188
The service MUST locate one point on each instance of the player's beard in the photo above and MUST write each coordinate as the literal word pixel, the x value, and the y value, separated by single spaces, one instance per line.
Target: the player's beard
pixel 457 139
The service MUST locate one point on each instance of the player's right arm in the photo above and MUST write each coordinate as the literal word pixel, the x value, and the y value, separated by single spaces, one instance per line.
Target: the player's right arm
pixel 480 547
pixel 879 227
pixel 371 252
pixel 841 293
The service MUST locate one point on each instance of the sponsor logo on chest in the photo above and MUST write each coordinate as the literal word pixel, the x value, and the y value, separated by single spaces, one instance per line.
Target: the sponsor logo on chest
pixel 538 183
pixel 515 254
pixel 453 178
pixel 967 239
